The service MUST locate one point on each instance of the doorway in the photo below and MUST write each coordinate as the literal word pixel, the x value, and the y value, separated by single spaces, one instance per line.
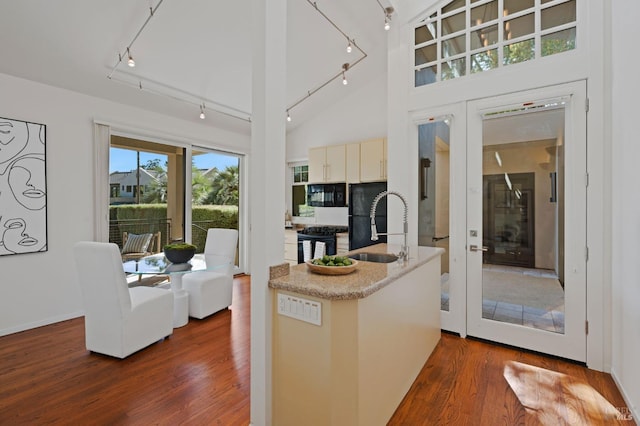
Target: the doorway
pixel 508 219
pixel 526 162
pixel 508 173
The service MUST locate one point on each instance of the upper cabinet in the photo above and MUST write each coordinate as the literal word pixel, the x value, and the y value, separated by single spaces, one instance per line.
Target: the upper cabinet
pixel 373 160
pixel 353 162
pixel 327 164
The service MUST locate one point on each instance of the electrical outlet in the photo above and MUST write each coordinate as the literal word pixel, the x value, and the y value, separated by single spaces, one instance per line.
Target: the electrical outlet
pixel 299 308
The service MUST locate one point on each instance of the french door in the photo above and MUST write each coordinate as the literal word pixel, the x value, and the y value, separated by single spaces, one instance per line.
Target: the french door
pixel 526 220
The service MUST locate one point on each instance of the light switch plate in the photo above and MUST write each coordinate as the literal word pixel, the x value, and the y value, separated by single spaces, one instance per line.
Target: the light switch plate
pixel 299 308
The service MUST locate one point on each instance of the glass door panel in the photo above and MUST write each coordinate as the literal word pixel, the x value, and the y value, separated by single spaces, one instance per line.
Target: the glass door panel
pixel 215 194
pixel 526 220
pixel 522 212
pixel 433 203
pixel 146 181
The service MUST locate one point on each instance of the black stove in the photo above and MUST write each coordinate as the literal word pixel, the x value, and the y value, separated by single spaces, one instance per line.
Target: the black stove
pixel 323 230
pixel 326 234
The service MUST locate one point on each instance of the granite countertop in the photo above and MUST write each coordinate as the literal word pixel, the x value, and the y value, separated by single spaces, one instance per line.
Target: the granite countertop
pixel 368 277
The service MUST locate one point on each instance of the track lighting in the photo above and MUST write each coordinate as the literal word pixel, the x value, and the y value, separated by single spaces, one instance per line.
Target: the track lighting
pixel 161 89
pixel 130 61
pixel 350 48
pixel 388 11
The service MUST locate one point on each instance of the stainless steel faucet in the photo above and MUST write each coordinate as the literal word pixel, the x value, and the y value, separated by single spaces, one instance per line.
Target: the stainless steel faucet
pixel 404 250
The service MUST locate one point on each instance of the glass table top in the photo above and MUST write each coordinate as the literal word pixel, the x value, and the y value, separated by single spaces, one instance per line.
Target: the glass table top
pixel 158 264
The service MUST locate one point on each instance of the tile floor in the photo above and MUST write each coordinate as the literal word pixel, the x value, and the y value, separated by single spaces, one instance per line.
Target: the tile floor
pixel 517 314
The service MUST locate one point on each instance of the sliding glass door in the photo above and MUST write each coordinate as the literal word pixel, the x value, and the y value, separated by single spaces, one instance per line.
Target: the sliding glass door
pixel 146 191
pixel 215 193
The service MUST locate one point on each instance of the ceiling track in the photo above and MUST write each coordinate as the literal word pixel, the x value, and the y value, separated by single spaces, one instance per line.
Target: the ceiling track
pixel 343 68
pixel 216 106
pixel 161 89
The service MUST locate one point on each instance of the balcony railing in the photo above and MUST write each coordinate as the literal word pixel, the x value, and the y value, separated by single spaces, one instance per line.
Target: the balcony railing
pixel 139 226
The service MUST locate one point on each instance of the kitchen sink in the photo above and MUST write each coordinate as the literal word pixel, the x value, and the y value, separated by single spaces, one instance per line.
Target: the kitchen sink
pixel 375 257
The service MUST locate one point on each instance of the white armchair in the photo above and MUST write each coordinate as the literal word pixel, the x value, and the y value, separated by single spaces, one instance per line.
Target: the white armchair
pixel 212 291
pixel 118 320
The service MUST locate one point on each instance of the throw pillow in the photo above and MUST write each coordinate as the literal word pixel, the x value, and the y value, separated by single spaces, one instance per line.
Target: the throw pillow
pixel 137 243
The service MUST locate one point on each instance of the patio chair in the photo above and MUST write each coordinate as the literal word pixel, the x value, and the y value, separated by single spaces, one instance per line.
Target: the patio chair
pixel 136 246
pixel 118 320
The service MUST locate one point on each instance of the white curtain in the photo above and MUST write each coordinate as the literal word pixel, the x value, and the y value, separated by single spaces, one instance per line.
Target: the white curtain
pixel 102 141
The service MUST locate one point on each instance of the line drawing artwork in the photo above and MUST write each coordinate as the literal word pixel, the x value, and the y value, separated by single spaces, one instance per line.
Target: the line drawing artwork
pixel 23 187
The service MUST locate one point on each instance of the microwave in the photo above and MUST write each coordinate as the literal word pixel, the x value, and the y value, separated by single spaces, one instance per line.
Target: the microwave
pixel 327 195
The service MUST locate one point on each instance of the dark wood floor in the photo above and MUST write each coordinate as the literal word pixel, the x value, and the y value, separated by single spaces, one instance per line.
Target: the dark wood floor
pixel 463 383
pixel 200 376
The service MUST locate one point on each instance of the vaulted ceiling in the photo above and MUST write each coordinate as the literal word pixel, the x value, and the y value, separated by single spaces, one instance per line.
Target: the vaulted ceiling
pixel 195 51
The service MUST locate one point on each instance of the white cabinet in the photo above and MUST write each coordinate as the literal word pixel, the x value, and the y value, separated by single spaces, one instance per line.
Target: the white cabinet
pixel 327 164
pixel 317 158
pixel 291 246
pixel 342 243
pixel 373 160
pixel 353 162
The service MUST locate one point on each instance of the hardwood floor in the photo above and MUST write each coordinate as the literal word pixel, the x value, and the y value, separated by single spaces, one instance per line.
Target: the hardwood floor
pixel 200 376
pixel 463 383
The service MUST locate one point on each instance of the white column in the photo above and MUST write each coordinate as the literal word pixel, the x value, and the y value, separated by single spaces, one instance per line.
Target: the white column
pixel 266 202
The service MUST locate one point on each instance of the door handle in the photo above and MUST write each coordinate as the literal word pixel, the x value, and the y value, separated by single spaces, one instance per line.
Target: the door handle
pixel 474 247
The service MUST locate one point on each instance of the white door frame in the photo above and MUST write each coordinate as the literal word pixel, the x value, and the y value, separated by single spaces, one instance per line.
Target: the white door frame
pixel 453 320
pixel 571 344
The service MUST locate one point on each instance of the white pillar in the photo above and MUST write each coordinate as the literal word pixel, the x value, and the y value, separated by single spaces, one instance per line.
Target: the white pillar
pixel 267 172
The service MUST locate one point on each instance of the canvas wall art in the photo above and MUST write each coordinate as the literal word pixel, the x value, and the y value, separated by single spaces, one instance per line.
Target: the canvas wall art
pixel 23 187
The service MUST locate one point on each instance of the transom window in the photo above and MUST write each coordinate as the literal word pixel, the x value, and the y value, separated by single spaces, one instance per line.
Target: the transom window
pixel 466 37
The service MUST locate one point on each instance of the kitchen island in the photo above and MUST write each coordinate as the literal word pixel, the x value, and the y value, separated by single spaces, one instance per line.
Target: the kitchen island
pixel 346 348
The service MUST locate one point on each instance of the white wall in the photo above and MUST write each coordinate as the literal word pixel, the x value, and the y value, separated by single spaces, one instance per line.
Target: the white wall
pixel 626 202
pixel 41 288
pixel 360 116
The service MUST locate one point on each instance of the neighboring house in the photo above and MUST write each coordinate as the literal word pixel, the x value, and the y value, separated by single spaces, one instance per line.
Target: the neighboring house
pixel 123 186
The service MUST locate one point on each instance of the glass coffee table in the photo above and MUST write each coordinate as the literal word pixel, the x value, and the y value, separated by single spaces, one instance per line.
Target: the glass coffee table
pixel 158 264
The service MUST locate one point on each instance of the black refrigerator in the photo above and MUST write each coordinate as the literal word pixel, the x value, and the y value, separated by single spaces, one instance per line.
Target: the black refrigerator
pixel 361 197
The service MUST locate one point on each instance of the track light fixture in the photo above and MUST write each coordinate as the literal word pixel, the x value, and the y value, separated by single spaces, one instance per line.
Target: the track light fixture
pixel 202 116
pixel 345 67
pixel 130 60
pixel 388 11
pixel 349 48
pixel 288 116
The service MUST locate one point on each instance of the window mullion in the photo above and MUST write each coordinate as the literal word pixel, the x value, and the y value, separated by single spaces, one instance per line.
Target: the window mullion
pixel 439 46
pixel 467 40
pixel 501 40
pixel 537 28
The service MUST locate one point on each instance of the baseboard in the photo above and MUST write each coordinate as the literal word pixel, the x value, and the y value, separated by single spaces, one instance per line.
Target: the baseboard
pixel 40 323
pixel 627 400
